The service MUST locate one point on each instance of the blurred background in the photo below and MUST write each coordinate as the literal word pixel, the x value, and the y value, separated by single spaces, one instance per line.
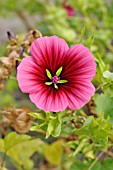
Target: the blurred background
pixel 63 18
pixel 66 19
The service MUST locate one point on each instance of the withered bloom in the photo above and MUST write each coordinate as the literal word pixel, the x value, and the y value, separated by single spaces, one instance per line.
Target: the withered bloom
pixel 17 118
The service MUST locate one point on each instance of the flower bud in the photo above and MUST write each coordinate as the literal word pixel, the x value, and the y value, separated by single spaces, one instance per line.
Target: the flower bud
pixel 21 51
pixel 10 35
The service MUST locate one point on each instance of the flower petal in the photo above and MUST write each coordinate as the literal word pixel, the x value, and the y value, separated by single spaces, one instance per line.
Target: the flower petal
pixel 30 76
pixel 49 52
pixel 79 63
pixel 78 94
pixel 49 99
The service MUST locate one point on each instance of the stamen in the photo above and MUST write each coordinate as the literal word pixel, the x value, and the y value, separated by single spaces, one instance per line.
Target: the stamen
pixel 59 71
pixel 55 79
pixel 48 74
pixel 62 81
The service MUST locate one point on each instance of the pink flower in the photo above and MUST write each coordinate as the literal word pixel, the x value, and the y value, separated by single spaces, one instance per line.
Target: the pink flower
pixel 56 76
pixel 69 9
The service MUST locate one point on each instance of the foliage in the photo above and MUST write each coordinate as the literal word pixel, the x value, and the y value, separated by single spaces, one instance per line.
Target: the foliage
pixel 70 140
pixel 92 126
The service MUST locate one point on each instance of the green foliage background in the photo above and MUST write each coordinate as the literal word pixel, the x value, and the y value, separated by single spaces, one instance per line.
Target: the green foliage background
pixel 92 25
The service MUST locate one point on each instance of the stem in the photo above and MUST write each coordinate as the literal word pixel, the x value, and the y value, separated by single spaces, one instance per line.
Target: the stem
pixel 100 86
pixel 4 159
pixel 13 78
pixel 97 158
pixel 109 153
pixel 18 59
pixel 24 20
pixel 82 113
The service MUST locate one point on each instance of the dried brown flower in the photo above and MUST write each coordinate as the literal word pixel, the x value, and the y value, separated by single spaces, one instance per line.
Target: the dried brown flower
pixel 30 37
pixel 17 118
pixel 8 63
pixel 16 49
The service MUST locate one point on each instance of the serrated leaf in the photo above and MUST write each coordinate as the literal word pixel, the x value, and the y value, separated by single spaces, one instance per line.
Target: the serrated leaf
pixel 59 71
pixel 98 129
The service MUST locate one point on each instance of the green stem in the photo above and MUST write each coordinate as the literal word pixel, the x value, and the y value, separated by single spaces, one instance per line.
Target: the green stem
pixel 18 59
pixel 97 158
pixel 13 78
pixel 100 86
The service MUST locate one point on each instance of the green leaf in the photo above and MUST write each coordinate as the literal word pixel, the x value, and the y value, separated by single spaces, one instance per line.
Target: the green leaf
pixel 98 129
pixel 83 31
pixel 20 154
pixel 54 128
pixel 48 74
pixel 48 83
pixel 108 74
pixel 13 139
pixel 53 152
pixel 80 146
pixel 50 128
pixel 90 40
pixel 108 83
pixel 108 89
pixel 50 123
pixel 35 128
pixel 59 71
pixel 104 103
pixel 107 164
pixel 79 165
pixel 62 81
pixel 82 34
pixel 88 121
pixel 57 129
pixel 40 115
